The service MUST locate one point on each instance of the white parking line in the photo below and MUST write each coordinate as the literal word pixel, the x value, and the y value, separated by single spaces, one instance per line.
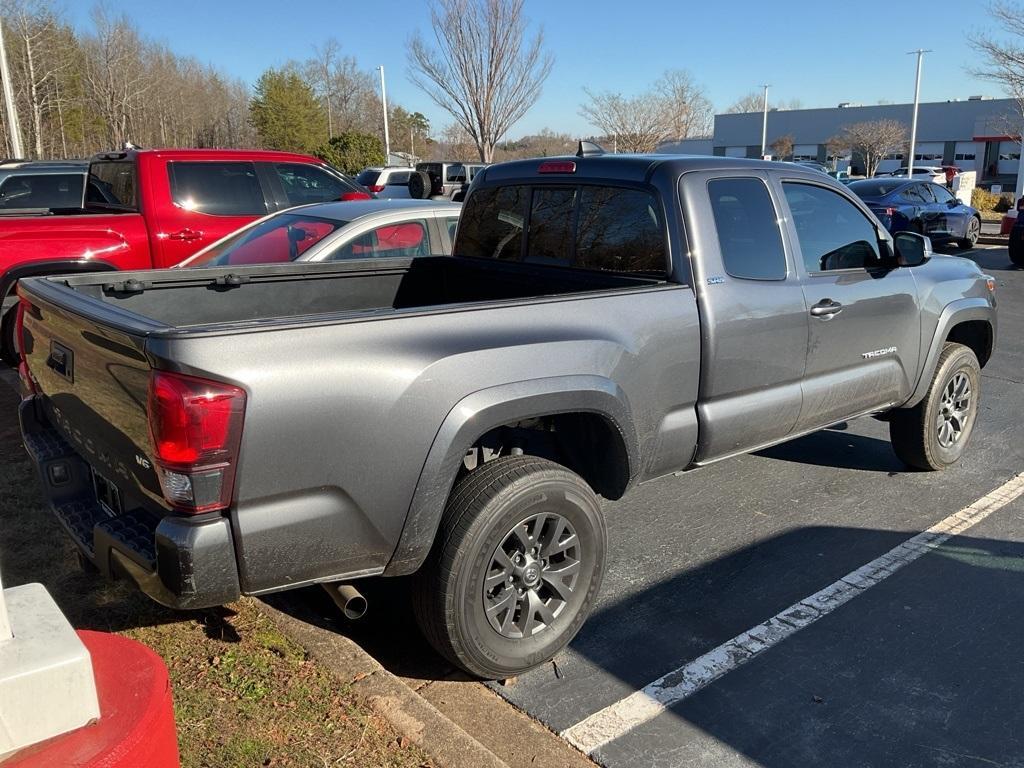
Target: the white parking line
pixel 644 705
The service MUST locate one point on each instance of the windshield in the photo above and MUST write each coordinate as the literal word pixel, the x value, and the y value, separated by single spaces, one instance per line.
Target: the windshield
pixel 876 187
pixel 280 238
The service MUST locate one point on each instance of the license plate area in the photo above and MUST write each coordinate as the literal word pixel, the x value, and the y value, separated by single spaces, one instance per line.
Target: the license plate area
pixel 108 495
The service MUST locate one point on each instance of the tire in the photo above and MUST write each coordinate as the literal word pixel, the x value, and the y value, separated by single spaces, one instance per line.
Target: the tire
pixel 973 233
pixel 419 185
pixel 1017 252
pixel 503 506
pixel 933 434
pixel 8 344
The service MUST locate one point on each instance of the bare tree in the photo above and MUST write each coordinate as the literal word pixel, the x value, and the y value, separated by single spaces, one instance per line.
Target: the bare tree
pixel 482 70
pixel 836 147
pixel 874 140
pixel 674 108
pixel 1005 65
pixel 782 147
pixel 751 102
pixel 754 102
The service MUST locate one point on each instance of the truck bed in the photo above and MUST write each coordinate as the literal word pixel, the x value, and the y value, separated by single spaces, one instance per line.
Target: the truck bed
pixel 186 299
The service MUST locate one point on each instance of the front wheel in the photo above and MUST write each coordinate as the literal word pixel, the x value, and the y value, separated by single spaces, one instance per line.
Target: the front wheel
pixel 518 561
pixel 1017 252
pixel 973 233
pixel 933 434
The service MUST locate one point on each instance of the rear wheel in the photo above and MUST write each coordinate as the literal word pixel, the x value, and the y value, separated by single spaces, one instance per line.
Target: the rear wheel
pixel 973 233
pixel 8 326
pixel 518 561
pixel 933 434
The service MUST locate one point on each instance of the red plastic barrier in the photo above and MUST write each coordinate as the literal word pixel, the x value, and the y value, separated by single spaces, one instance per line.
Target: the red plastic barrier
pixel 136 725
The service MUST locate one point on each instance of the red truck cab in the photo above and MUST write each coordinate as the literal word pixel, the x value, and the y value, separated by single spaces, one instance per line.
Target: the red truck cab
pixel 153 208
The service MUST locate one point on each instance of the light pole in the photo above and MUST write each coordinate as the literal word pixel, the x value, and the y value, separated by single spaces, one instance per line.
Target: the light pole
pixel 764 121
pixel 14 128
pixel 384 106
pixel 917 98
pixel 1020 170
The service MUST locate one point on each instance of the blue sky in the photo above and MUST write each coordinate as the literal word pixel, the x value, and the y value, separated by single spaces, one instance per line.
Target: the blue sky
pixel 818 56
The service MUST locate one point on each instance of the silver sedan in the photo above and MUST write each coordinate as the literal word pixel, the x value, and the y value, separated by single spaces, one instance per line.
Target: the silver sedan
pixel 355 229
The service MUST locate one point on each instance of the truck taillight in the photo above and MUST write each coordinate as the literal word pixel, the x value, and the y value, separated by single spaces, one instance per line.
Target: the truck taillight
pixel 28 386
pixel 196 429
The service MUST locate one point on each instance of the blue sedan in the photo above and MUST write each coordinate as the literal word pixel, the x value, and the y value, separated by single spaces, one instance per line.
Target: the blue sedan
pixel 922 207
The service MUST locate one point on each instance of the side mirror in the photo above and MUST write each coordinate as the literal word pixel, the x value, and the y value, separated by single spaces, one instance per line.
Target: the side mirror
pixel 912 249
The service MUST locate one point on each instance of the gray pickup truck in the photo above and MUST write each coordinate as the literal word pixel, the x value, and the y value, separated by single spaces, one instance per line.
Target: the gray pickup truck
pixel 604 321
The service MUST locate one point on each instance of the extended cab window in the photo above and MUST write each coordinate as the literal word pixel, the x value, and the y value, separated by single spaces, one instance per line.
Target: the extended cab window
pixel 580 226
pixel 217 188
pixel 748 229
pixel 112 184
pixel 832 231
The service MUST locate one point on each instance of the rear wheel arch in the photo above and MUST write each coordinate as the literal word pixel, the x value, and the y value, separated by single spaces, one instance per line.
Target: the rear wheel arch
pixel 585 408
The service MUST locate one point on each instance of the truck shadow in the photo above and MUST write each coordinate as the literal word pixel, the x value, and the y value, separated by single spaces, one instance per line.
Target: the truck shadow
pixel 836 447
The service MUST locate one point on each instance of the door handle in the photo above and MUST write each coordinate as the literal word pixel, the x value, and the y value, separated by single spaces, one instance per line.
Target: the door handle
pixel 187 235
pixel 826 309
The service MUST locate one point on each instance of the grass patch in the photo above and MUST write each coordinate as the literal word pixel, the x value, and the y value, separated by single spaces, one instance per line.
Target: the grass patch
pixel 244 694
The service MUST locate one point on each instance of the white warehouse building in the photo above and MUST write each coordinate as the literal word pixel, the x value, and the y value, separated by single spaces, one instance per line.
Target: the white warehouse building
pixel 974 135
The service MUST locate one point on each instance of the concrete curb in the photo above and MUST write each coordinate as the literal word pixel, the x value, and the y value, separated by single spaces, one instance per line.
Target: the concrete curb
pixel 448 745
pixel 993 240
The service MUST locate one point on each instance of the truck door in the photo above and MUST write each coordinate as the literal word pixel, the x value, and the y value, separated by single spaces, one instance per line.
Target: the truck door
pixel 865 331
pixel 199 202
pixel 753 317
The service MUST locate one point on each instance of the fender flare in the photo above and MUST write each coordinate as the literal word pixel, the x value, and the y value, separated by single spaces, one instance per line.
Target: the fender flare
pixel 478 413
pixel 955 312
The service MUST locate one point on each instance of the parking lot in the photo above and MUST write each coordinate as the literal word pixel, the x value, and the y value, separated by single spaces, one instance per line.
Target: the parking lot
pixel 922 668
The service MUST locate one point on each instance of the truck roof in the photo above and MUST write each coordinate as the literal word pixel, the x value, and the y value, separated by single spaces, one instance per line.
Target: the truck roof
pixel 630 167
pixel 264 155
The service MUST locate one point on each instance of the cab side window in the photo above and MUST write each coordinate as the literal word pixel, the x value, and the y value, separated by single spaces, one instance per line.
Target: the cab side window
pixel 832 231
pixel 748 229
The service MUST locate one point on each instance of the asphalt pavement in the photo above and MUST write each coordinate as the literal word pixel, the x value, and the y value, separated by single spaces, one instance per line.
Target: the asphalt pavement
pixel 923 668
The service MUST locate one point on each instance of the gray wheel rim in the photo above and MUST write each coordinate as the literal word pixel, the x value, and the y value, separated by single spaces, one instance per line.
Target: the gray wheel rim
pixel 532 575
pixel 954 410
pixel 973 229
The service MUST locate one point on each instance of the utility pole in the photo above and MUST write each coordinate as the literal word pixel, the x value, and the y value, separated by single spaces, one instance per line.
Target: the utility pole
pixel 764 121
pixel 384 106
pixel 14 128
pixel 1020 169
pixel 920 52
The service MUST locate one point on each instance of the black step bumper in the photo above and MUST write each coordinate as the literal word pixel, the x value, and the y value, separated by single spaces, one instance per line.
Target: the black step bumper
pixel 179 561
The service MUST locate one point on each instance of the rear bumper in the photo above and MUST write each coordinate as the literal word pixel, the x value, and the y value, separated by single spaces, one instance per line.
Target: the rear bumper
pixel 181 562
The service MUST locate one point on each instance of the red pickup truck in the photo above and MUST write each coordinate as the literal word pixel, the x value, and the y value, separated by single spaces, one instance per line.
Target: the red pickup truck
pixel 153 208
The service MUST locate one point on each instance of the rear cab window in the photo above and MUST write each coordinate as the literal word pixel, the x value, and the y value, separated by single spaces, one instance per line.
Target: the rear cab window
pixel 577 226
pixel 304 183
pixel 112 185
pixel 217 188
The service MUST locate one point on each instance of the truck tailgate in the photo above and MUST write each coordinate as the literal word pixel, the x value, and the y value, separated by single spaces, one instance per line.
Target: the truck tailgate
pixel 93 381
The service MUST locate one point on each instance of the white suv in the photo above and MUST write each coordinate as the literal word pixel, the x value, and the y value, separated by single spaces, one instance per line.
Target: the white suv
pixel 392 182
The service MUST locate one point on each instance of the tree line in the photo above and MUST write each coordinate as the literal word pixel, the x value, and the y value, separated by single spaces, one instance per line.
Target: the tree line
pixel 79 92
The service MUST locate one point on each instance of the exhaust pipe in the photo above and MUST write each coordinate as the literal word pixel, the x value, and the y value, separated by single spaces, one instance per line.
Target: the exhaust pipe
pixel 349 599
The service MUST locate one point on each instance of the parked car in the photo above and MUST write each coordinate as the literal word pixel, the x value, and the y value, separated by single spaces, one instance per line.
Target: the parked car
pixel 841 176
pixel 249 429
pixel 390 183
pixel 338 231
pixel 1010 218
pixel 153 208
pixel 446 179
pixel 813 165
pixel 41 185
pixel 920 206
pixel 934 173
